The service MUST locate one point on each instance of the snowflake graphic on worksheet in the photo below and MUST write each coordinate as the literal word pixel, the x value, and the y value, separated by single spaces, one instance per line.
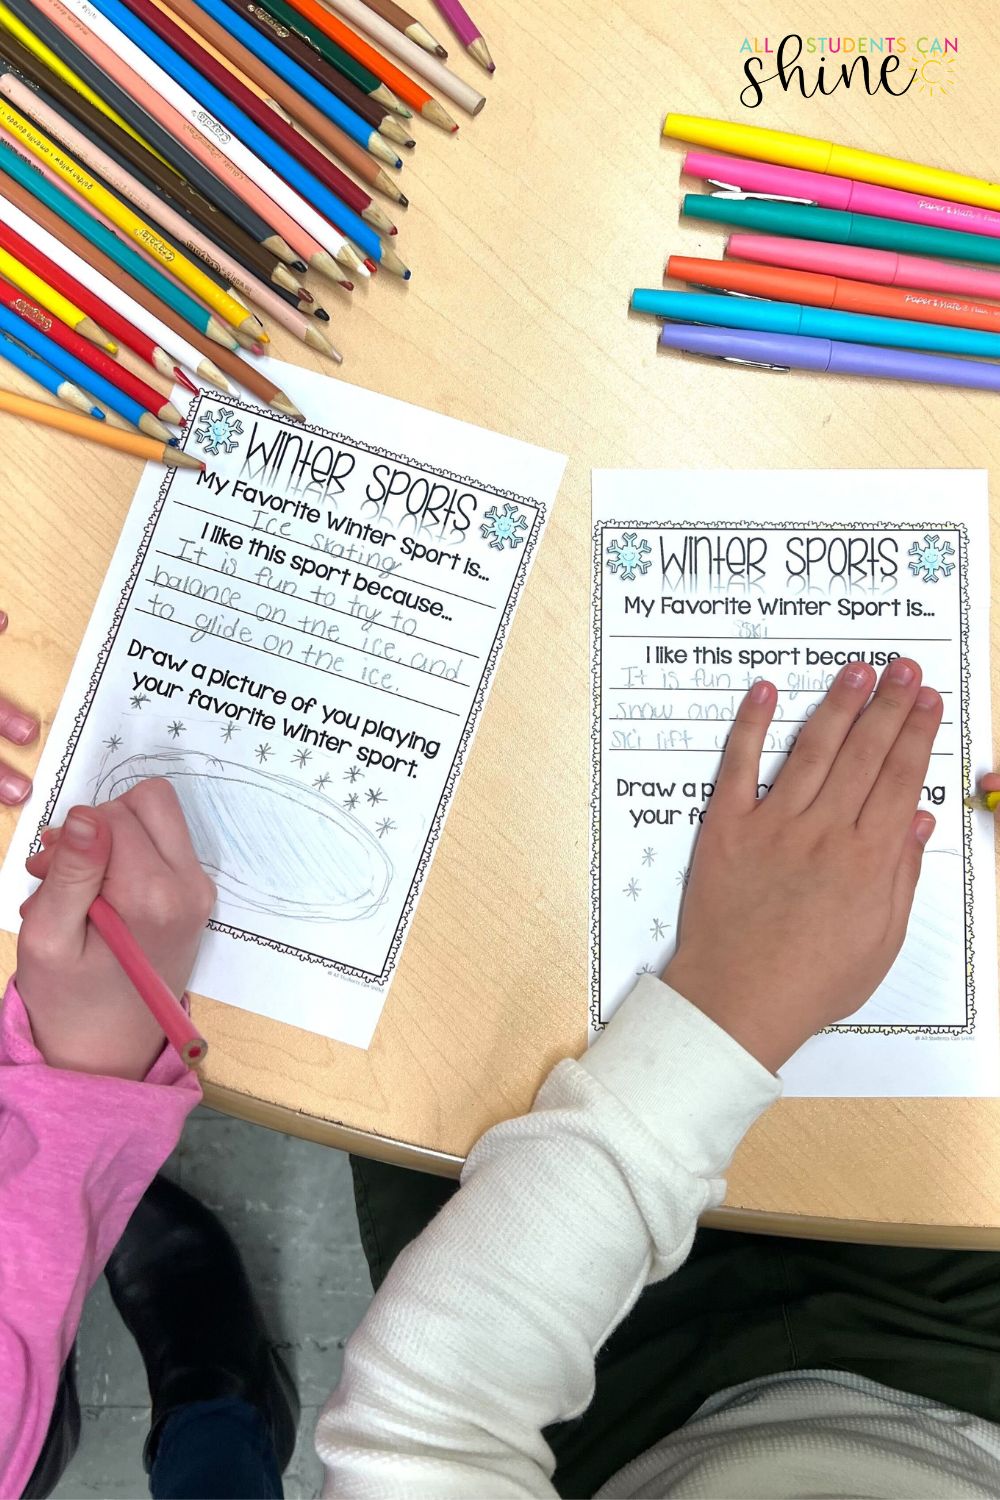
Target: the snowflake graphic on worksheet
pixel 503 526
pixel 628 557
pixel 217 431
pixel 930 558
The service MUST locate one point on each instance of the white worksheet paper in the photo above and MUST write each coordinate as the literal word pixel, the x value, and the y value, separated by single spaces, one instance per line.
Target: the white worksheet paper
pixel 705 582
pixel 301 640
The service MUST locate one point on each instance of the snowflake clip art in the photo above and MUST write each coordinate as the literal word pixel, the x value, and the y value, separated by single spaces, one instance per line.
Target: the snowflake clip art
pixel 930 558
pixel 504 527
pixel 217 431
pixel 627 557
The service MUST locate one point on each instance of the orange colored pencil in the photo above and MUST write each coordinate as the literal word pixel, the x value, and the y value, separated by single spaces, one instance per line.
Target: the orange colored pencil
pixel 401 84
pixel 163 1005
pixel 97 432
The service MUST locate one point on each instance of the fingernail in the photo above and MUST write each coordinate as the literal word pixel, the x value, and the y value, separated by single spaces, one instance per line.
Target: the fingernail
pixel 855 675
pixel 760 692
pixel 80 831
pixel 900 672
pixel 3 619
pixel 13 787
pixel 19 728
pixel 926 698
pixel 925 827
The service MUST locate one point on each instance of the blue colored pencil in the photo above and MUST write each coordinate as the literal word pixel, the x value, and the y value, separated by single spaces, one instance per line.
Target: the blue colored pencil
pixel 82 375
pixel 255 139
pixel 46 376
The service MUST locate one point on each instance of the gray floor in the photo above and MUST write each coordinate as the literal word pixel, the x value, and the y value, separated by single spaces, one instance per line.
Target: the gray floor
pixel 289 1206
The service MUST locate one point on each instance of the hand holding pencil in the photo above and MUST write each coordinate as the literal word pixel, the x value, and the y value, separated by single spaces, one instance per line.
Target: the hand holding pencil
pixel 136 854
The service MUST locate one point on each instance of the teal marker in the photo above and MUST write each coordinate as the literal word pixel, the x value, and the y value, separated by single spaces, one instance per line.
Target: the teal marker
pixel 815 322
pixel 804 221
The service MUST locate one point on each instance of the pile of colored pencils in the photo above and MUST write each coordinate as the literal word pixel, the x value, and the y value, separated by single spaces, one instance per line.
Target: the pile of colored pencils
pixel 862 268
pixel 172 170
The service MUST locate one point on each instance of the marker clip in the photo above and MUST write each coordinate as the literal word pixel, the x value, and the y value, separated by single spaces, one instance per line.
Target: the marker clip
pixel 730 190
pixel 733 359
pixel 724 291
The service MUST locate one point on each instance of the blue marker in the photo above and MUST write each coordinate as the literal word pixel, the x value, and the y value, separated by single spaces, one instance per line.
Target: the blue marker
pixel 813 322
pixel 277 158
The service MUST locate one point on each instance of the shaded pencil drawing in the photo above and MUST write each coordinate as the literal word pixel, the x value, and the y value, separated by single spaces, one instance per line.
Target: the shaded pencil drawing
pixel 270 844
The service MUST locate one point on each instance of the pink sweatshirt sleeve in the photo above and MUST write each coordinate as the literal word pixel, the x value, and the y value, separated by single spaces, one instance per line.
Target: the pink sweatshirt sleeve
pixel 77 1152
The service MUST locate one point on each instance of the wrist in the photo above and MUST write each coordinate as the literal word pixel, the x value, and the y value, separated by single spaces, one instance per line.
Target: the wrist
pixel 770 1031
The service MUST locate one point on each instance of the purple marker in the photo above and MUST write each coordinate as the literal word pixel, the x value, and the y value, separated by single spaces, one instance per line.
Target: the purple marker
pixel 785 351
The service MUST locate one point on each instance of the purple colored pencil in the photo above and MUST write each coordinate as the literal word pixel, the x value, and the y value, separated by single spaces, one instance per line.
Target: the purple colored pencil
pixel 467 31
pixel 797 352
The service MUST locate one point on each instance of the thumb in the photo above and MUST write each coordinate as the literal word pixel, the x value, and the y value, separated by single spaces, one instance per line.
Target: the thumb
pixel 76 872
pixel 910 862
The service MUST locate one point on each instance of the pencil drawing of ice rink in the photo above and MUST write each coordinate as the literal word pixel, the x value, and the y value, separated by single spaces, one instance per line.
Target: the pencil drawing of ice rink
pixel 269 844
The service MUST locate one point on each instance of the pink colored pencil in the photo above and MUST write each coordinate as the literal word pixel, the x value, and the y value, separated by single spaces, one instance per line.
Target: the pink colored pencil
pixel 163 1005
pixel 304 245
pixel 467 31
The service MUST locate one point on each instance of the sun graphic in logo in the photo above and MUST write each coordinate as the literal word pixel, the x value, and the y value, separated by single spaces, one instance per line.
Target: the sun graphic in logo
pixel 935 74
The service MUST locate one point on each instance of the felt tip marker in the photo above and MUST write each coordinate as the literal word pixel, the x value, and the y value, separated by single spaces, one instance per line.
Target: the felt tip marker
pixel 787 150
pixel 882 266
pixel 804 221
pixel 735 175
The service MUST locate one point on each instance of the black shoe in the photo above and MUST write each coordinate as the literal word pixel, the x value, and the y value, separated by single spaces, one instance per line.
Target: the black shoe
pixel 62 1438
pixel 179 1283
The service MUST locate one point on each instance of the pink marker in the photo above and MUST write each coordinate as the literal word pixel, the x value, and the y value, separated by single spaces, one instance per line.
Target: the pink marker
pixel 849 261
pixel 761 179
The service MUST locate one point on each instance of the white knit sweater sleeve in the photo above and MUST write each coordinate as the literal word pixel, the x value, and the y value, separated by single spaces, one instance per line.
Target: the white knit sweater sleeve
pixel 485 1330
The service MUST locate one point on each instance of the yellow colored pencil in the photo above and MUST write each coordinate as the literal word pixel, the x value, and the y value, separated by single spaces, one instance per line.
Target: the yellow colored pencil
pixel 102 201
pixel 38 290
pixel 98 432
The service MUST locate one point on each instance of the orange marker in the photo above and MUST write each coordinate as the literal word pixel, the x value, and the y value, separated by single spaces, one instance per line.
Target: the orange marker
pixel 832 291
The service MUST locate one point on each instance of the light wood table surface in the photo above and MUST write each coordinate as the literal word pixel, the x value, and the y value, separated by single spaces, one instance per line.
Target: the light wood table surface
pixel 526 233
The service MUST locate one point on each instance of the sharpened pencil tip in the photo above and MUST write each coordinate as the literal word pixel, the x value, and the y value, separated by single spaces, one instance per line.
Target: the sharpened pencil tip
pixel 441 51
pixel 299 265
pixel 348 286
pixel 95 411
pixel 372 267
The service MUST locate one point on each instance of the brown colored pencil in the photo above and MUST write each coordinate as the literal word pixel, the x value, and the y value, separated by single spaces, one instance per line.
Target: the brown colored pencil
pixel 407 24
pixel 224 359
pixel 329 135
pixel 176 189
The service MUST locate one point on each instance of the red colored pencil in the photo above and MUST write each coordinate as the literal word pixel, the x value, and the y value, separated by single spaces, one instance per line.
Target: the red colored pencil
pixel 162 1003
pixel 95 307
pixel 263 115
pixel 153 400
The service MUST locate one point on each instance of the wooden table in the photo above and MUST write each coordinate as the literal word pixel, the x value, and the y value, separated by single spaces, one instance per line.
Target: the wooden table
pixel 526 233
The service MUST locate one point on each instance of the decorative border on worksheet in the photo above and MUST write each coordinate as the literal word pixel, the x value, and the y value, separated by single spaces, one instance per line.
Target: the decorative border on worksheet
pixel 597 1022
pixel 537 507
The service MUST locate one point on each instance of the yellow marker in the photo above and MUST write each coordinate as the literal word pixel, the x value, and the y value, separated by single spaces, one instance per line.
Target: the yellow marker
pixel 101 201
pixel 823 156
pixel 38 291
pixel 983 801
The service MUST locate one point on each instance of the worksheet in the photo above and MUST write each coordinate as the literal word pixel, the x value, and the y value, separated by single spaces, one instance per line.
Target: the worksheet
pixel 702 584
pixel 301 640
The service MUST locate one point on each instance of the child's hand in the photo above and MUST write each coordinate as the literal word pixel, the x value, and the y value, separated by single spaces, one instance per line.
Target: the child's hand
pixel 137 853
pixel 797 905
pixel 20 728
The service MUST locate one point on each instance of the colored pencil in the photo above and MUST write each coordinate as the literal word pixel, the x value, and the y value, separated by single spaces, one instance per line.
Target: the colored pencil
pixel 412 93
pixel 28 216
pixel 283 166
pixel 34 285
pixel 310 157
pixel 408 25
pixel 19 319
pixel 349 67
pixel 276 87
pixel 67 49
pixel 221 265
pixel 305 44
pixel 356 13
pixel 73 213
pixel 467 31
pixel 131 224
pixel 18 64
pixel 47 377
pixel 98 432
pixel 161 1002
pixel 299 222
